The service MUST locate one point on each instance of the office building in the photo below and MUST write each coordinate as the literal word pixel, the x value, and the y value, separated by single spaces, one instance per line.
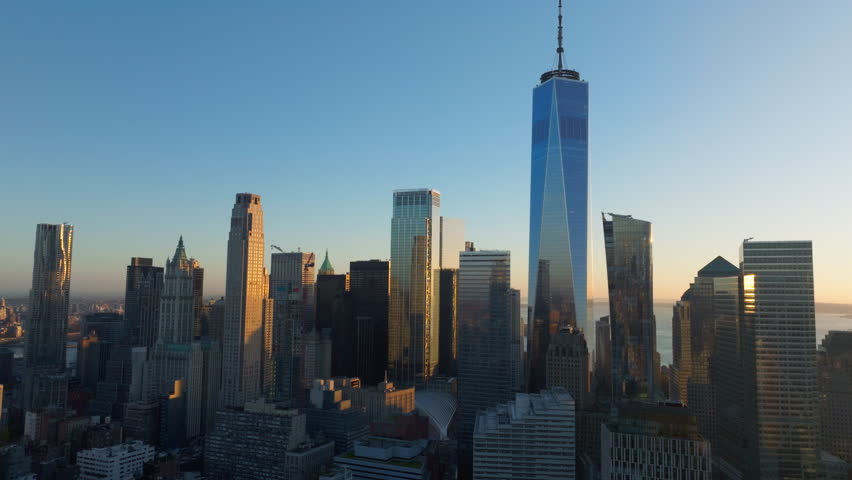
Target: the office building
pixel 216 320
pixel 708 304
pixel 197 297
pixel 386 458
pixel 123 381
pixel 384 400
pixel 45 384
pixel 369 288
pixel 142 301
pixel 7 366
pixel 142 422
pixel 318 355
pixel 176 356
pixel 485 336
pixel 92 356
pixel 242 342
pixel 780 356
pixel 628 242
pixel 649 441
pixel 333 416
pixel 451 242
pixel 109 326
pixel 603 357
pixel 567 364
pixel 517 370
pixel 291 286
pixel 559 211
pixel 177 299
pixel 334 314
pixel 119 462
pixel 530 437
pixel 448 346
pixel 262 441
pixel 14 462
pixel 413 327
pixel 835 394
pixel 330 289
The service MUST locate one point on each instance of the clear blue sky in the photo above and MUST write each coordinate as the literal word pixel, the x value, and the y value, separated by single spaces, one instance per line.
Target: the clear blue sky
pixel 139 121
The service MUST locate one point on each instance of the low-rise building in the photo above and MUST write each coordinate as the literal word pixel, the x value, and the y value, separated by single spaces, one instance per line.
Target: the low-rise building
pixel 386 458
pixel 119 462
pixel 529 437
pixel 384 400
pixel 654 441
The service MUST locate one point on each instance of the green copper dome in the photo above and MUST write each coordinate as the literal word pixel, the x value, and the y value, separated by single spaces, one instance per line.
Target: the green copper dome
pixel 326 268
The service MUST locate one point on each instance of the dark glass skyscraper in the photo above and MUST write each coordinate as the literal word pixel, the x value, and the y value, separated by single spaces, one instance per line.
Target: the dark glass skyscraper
pixel 369 284
pixel 628 242
pixel 559 211
pixel 142 301
pixel 484 336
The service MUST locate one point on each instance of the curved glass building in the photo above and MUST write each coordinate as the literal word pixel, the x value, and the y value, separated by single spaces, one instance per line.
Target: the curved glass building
pixel 559 212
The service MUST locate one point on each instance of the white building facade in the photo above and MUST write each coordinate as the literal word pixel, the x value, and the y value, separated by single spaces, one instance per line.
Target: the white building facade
pixel 529 438
pixel 119 462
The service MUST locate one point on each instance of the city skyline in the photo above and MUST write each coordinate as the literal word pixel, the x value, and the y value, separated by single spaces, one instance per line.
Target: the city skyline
pixel 710 124
pixel 417 362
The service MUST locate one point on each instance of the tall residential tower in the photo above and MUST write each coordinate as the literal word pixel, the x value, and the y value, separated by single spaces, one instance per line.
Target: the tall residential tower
pixel 242 347
pixel 559 211
pixel 46 327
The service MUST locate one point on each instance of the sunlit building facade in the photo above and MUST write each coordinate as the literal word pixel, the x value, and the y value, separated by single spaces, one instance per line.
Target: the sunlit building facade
pixel 628 243
pixel 559 214
pixel 46 327
pixel 242 345
pixel 780 356
pixel 530 437
pixel 413 327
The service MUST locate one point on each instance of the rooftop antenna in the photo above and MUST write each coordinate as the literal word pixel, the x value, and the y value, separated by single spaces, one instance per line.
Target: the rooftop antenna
pixel 559 49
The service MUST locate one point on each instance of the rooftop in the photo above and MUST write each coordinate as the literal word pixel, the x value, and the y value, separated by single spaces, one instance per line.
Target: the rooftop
pixel 719 267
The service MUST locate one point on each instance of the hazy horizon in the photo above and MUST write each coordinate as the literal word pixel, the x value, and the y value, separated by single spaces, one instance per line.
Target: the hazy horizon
pixel 149 135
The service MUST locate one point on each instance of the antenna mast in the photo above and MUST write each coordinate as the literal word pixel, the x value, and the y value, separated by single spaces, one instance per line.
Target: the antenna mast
pixel 559 49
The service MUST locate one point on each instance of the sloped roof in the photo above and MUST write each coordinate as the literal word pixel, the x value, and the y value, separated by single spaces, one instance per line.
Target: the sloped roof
pixel 719 267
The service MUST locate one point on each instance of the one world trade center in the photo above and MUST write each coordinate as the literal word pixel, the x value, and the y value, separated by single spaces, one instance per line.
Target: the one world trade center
pixel 559 212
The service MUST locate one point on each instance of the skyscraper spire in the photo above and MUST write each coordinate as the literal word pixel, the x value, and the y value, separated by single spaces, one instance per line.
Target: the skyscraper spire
pixel 560 70
pixel 559 49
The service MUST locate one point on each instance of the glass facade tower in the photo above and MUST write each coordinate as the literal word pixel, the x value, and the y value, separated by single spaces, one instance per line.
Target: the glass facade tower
pixel 484 336
pixel 559 214
pixel 780 356
pixel 413 328
pixel 635 365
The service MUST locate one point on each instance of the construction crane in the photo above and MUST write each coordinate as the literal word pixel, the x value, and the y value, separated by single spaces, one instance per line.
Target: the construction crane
pixel 276 247
pixel 310 262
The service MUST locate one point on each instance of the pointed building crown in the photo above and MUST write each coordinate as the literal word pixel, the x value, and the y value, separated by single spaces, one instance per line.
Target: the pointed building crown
pixel 180 253
pixel 326 268
pixel 719 267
